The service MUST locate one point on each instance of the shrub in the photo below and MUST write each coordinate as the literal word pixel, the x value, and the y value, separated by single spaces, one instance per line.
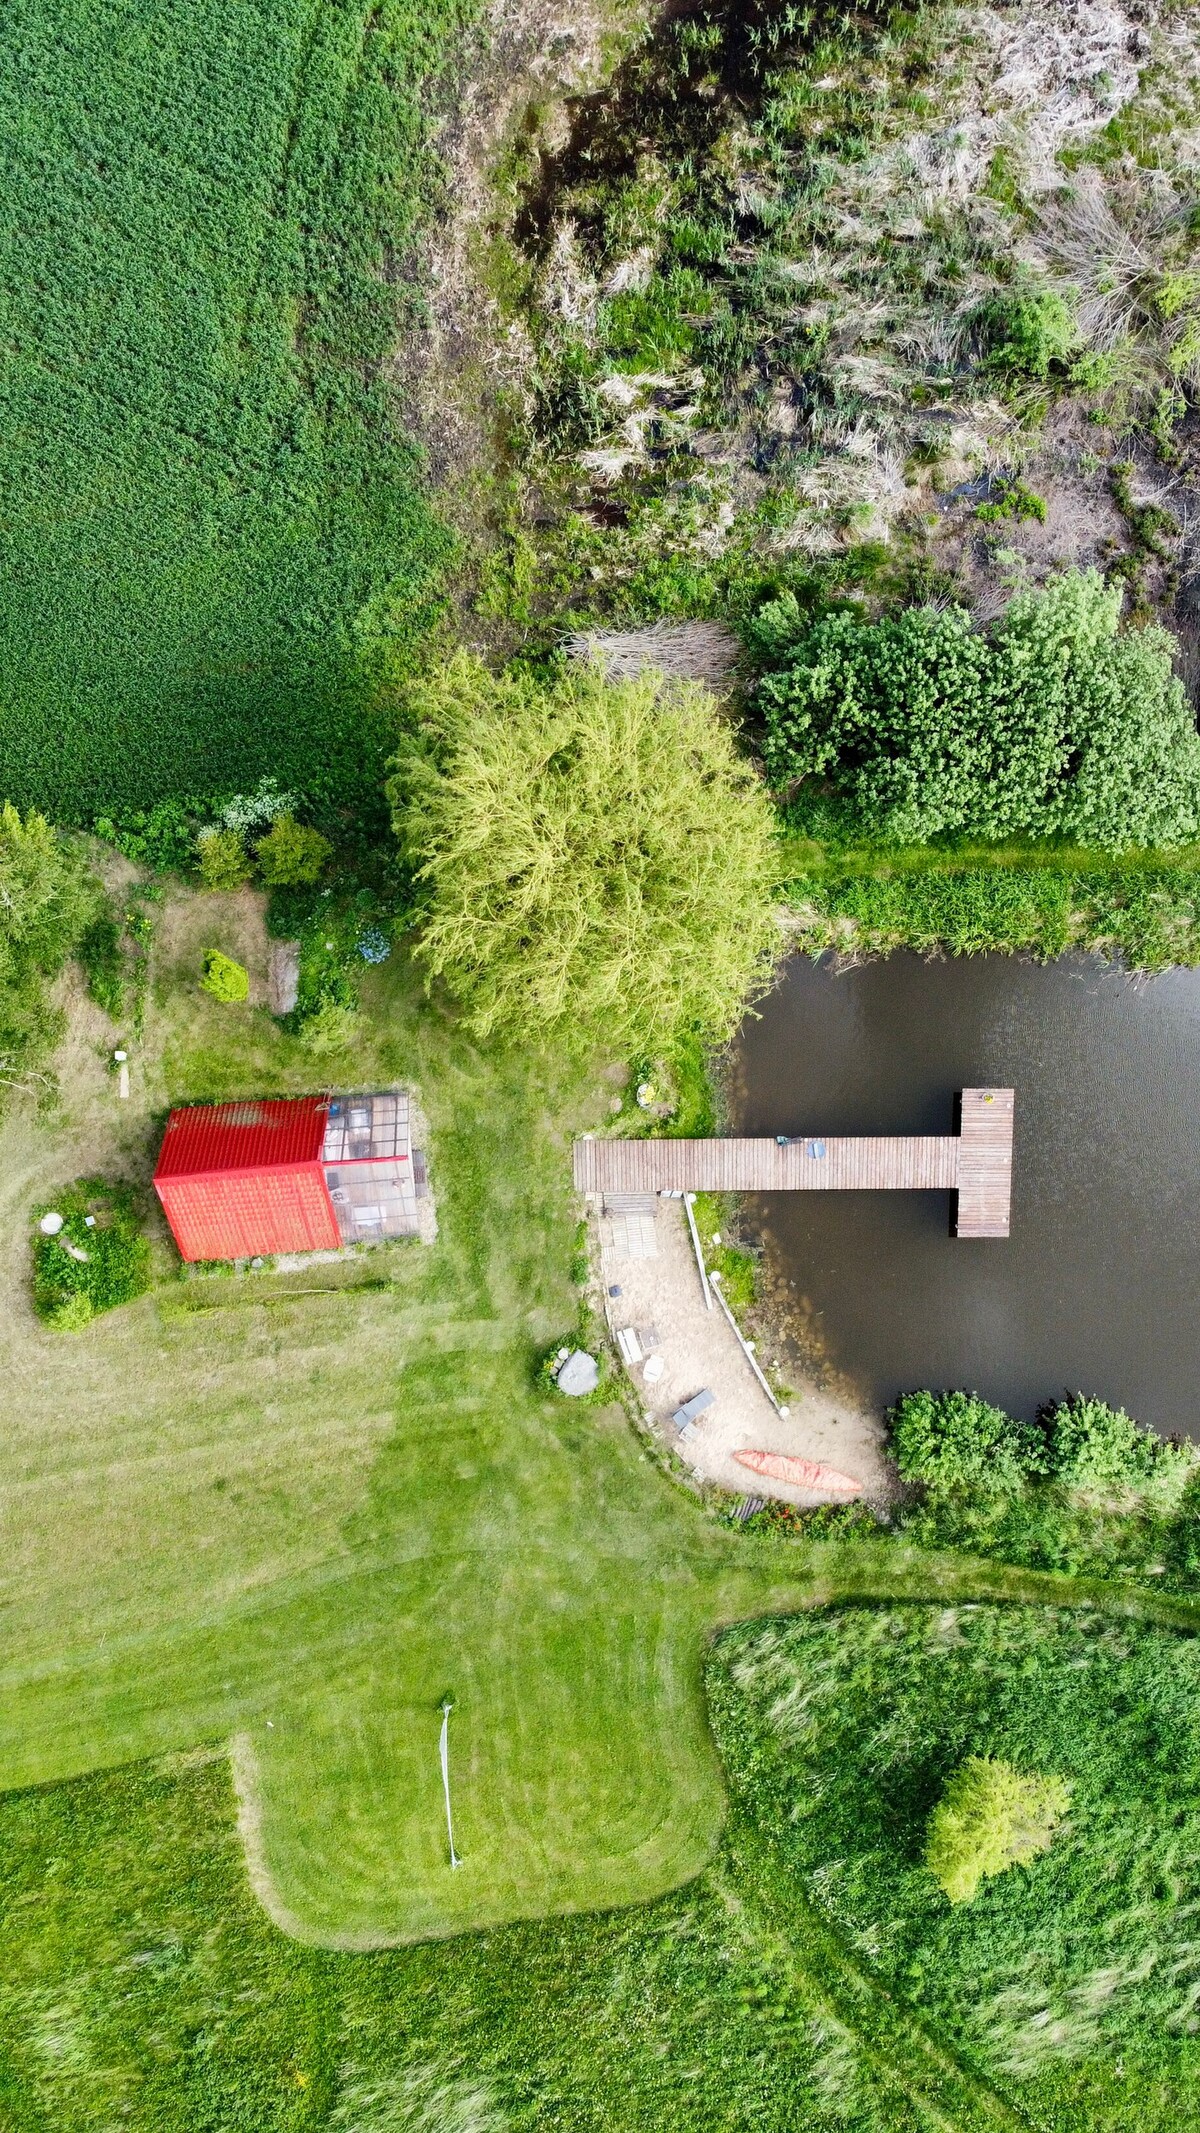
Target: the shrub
pixel 596 858
pixel 291 855
pixel 1026 330
pixel 83 1271
pixel 222 857
pixel 331 1027
pixel 223 978
pixel 46 902
pixel 103 963
pixel 1093 1446
pixel 955 1440
pixel 1056 724
pixel 1181 1549
pixel 988 1819
pixel 161 838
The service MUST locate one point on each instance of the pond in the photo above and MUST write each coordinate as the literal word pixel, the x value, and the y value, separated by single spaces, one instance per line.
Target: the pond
pixel 1097 1289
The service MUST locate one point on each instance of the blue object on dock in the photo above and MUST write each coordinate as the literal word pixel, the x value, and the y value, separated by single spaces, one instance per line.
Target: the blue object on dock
pixel 817 1150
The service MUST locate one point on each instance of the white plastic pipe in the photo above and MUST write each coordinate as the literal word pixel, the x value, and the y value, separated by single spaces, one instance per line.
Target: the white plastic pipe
pixel 687 1201
pixel 445 1753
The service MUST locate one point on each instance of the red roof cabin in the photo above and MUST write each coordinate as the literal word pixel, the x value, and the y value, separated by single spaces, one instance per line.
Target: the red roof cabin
pixel 293 1174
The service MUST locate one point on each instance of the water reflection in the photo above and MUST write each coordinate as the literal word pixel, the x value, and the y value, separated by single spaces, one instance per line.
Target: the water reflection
pixel 1097 1288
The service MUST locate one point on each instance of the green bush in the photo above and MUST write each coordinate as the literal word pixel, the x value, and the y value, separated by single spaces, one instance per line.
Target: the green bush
pixel 162 838
pixel 223 860
pixel 1056 724
pixel 1087 1491
pixel 103 963
pixel 47 900
pixel 1093 1446
pixel 597 860
pixel 84 1270
pixel 291 855
pixel 333 1026
pixel 954 1440
pixel 988 1819
pixel 1181 1547
pixel 224 979
pixel 1026 330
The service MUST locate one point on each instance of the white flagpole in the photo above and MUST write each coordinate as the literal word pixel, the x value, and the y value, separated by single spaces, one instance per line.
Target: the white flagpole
pixel 446 1710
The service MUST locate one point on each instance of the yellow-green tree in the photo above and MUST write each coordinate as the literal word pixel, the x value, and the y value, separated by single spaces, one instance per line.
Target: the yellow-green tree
pixel 989 1818
pixel 594 855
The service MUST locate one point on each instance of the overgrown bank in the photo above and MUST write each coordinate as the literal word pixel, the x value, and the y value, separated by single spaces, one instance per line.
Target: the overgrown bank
pixel 1142 907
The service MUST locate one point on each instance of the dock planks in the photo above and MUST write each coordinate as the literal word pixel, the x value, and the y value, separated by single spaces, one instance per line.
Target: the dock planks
pixel 985 1163
pixel 976 1164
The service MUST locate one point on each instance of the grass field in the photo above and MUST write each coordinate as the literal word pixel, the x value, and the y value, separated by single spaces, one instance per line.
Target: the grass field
pixel 967 898
pixel 807 1979
pixel 303 1515
pixel 209 523
pixel 293 1512
pixel 1072 1985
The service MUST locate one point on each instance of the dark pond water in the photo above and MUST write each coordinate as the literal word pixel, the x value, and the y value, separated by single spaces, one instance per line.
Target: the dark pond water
pixel 1098 1288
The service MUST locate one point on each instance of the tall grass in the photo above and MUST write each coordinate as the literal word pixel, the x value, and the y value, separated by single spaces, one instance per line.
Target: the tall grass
pixel 1140 907
pixel 839 1733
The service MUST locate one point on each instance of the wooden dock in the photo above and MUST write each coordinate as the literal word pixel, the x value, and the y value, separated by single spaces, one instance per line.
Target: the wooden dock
pixel 974 1164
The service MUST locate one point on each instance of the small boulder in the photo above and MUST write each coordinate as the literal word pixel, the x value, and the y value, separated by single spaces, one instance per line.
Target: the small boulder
pixel 579 1374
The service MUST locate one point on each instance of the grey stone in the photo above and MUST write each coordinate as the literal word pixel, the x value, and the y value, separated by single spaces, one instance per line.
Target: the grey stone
pixel 579 1374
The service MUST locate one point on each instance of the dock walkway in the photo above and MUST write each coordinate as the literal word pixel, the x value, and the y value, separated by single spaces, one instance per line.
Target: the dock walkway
pixel 975 1164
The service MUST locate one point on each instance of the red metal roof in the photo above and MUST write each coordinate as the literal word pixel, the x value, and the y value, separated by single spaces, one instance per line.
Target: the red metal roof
pixel 230 1215
pixel 203 1140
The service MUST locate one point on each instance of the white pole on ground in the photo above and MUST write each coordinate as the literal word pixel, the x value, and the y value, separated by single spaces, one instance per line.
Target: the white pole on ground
pixel 687 1202
pixel 445 1753
pixel 746 1351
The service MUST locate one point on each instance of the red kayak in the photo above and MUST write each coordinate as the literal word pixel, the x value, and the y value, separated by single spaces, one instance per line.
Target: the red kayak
pixel 802 1473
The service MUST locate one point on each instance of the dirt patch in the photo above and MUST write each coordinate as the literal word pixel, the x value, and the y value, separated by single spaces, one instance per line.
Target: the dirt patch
pixel 283 976
pixel 235 922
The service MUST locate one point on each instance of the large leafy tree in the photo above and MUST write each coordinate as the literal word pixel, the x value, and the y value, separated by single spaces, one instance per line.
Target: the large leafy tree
pixel 46 899
pixel 594 855
pixel 1058 723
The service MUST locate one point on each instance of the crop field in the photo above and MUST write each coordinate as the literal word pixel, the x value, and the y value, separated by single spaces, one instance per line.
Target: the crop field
pixel 210 528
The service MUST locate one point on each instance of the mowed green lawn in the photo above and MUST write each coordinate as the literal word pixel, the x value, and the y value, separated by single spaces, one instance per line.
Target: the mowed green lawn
pixel 209 520
pixel 304 1516
pixel 308 1517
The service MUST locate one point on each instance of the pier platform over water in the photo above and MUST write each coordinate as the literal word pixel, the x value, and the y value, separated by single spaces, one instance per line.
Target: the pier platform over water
pixel 974 1164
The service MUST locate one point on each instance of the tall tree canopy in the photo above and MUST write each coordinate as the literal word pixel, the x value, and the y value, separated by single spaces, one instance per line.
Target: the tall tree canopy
pixel 1056 724
pixel 593 854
